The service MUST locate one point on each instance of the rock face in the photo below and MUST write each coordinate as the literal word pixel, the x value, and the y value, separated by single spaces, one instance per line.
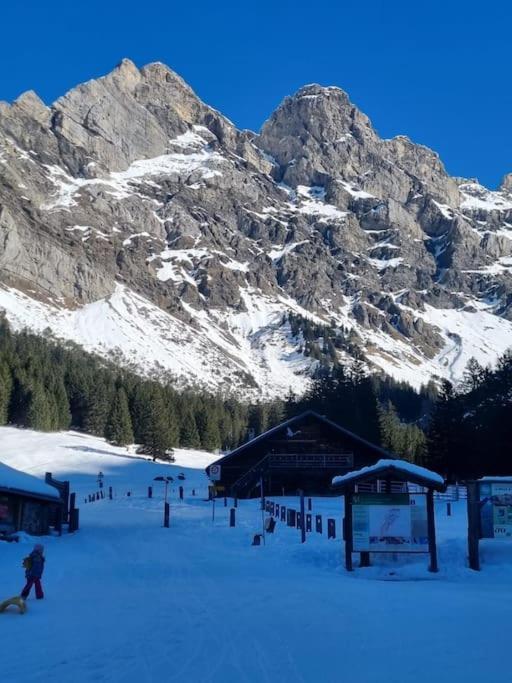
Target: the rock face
pixel 129 199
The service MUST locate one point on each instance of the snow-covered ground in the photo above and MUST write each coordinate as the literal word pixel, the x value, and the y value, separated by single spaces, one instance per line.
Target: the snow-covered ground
pixel 127 600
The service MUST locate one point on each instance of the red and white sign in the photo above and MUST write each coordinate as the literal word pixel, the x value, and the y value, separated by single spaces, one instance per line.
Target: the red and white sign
pixel 215 472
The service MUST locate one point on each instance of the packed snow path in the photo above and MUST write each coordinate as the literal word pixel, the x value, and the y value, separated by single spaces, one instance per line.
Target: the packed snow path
pixel 127 600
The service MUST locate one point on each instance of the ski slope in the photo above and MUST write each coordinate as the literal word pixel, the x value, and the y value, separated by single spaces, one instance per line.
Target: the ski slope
pixel 127 600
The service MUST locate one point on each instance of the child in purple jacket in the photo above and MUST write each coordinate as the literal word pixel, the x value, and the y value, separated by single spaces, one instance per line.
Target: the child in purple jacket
pixel 34 567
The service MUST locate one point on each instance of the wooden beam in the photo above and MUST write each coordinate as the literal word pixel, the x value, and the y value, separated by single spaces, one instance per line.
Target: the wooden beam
pixel 347 526
pixel 473 526
pixel 432 546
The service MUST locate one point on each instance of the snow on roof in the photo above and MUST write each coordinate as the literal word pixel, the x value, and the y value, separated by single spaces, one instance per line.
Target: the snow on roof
pixel 407 468
pixel 20 482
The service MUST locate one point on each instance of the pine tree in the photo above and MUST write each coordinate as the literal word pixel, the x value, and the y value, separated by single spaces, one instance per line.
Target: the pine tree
pixel 189 436
pixel 62 413
pixel 38 409
pixel 118 429
pixel 208 427
pixel 6 385
pixel 155 431
pixel 99 401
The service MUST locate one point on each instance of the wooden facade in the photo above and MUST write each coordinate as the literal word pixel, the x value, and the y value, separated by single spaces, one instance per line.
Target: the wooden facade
pixel 32 509
pixel 303 453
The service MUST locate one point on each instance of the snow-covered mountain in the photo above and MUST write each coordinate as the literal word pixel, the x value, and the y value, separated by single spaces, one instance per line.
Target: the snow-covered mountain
pixel 139 222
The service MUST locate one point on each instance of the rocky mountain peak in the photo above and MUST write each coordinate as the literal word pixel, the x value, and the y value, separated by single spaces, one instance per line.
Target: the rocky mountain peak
pixel 131 210
pixel 506 183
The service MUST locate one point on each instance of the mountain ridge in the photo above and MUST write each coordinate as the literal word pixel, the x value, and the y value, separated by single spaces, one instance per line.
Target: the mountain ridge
pixel 129 188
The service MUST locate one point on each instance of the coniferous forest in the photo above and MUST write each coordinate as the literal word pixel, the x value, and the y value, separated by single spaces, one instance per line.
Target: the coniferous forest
pixel 462 431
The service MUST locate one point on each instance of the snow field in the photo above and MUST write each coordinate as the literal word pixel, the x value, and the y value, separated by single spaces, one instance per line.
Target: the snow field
pixel 127 600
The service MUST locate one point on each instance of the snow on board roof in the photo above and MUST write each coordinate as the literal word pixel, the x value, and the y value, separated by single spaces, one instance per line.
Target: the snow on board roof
pixel 414 473
pixel 12 480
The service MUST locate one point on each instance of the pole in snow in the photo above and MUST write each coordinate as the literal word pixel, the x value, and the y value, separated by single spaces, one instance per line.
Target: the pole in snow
pixel 262 510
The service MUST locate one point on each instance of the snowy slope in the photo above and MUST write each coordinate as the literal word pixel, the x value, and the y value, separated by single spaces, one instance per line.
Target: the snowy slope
pixel 221 349
pixel 234 351
pixel 127 600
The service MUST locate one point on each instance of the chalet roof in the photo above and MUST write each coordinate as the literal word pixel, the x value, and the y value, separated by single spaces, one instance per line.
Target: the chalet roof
pixel 21 483
pixel 398 470
pixel 298 418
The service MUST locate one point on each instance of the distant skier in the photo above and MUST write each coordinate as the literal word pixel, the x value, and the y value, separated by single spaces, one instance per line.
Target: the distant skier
pixel 34 567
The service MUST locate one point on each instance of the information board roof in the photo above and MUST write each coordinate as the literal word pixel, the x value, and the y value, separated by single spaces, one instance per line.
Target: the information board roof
pixel 398 470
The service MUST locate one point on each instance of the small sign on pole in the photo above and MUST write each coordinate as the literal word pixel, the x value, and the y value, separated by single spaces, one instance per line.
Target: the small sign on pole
pixel 215 472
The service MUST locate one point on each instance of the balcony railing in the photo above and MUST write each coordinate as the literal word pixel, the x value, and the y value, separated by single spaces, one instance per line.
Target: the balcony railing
pixel 309 460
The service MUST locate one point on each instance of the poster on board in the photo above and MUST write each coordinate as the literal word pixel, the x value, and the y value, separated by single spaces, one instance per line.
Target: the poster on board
pixel 390 522
pixel 496 509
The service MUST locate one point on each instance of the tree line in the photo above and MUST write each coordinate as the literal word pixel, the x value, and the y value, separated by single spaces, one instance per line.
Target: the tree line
pixel 51 386
pixel 470 429
pixel 462 431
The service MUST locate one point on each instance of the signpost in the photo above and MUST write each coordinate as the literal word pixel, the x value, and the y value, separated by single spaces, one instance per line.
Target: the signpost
pixel 489 513
pixel 215 472
pixel 166 480
pixel 389 522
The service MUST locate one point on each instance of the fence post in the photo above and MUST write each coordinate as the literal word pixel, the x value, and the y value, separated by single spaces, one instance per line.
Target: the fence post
pixel 318 524
pixel 166 515
pixel 232 517
pixel 302 520
pixel 181 492
pixel 74 520
pixel 150 492
pixel 110 492
pixel 449 509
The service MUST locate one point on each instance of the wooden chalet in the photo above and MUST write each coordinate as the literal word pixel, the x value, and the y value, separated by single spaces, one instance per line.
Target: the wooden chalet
pixel 26 503
pixel 303 453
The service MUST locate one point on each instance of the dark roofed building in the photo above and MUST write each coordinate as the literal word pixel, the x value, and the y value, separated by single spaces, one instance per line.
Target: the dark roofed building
pixel 26 502
pixel 303 453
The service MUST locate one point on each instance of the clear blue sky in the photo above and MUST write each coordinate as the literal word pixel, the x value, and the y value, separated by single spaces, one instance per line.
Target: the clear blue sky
pixel 439 72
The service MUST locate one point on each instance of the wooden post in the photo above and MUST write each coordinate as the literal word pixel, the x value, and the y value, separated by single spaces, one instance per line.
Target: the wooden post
pixel 349 541
pixel 150 492
pixel 74 520
pixel 235 502
pixel 364 559
pixel 110 492
pixel 448 509
pixel 72 500
pixel 232 517
pixel 302 519
pixel 166 515
pixel 473 526
pixel 225 500
pixel 431 522
pixel 318 524
pixel 262 510
pixel 181 493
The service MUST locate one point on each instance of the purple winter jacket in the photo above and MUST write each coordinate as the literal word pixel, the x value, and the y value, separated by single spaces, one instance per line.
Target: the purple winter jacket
pixel 37 568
